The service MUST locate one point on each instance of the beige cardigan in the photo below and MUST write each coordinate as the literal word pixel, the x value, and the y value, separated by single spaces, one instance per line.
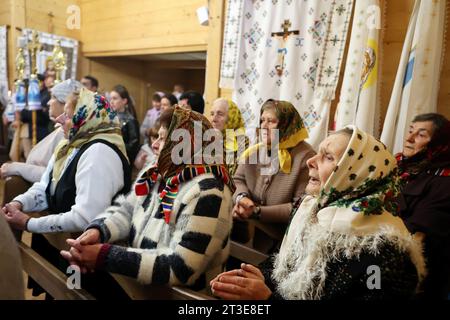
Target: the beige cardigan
pixel 275 194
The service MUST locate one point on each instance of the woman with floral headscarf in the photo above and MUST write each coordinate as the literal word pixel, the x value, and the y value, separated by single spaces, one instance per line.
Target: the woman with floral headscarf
pixel 424 202
pixel 88 169
pixel 177 220
pixel 345 243
pixel 226 117
pixel 266 189
pixel 85 173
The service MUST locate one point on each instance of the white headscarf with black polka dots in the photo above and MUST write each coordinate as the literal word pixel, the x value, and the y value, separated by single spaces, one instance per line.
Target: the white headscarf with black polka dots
pixel 351 214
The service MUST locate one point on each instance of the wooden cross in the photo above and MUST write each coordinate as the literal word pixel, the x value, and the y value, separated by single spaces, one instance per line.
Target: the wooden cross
pixel 34 46
pixel 282 51
pixel 50 21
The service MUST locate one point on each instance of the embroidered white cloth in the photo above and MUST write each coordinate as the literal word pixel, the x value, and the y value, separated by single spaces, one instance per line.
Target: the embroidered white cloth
pixel 3 66
pixel 288 50
pixel 417 81
pixel 231 36
pixel 358 102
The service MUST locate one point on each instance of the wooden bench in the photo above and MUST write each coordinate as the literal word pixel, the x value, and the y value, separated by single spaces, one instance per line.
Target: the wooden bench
pixel 48 276
pixel 246 254
pixel 54 282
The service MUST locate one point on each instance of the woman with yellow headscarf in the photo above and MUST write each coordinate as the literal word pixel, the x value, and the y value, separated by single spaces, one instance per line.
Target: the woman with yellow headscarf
pixel 226 117
pixel 268 195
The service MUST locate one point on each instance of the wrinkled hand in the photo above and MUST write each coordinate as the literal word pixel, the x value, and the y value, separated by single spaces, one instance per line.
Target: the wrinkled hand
pixel 243 209
pixel 246 283
pixel 15 217
pixel 4 169
pixel 84 256
pixel 90 236
pixel 246 271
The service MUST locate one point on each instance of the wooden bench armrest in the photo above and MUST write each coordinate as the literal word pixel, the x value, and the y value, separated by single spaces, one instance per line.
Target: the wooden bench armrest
pixel 137 291
pixel 246 254
pixel 271 230
pixel 48 276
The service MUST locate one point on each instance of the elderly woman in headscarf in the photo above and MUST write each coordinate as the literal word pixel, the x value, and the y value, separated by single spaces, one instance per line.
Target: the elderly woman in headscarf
pixel 264 192
pixel 176 221
pixel 88 169
pixel 425 197
pixel 40 155
pixel 85 173
pixel 226 117
pixel 344 243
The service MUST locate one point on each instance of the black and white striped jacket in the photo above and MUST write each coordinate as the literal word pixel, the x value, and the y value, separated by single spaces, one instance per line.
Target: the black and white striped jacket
pixel 191 250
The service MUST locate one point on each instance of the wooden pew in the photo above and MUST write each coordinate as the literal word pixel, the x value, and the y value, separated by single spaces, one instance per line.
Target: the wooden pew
pixel 48 276
pixel 54 282
pixel 246 254
pixel 137 291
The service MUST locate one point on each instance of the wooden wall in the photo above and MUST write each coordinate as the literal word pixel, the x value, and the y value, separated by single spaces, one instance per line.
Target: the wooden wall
pixel 126 27
pixel 161 76
pixel 144 78
pixel 5 12
pixel 37 16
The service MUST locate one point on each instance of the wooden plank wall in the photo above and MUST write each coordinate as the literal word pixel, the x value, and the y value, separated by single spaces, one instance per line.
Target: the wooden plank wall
pixel 37 16
pixel 125 27
pixel 144 78
pixel 5 12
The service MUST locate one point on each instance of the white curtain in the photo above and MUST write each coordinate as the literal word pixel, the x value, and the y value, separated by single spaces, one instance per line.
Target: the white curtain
pixel 417 82
pixel 286 50
pixel 3 65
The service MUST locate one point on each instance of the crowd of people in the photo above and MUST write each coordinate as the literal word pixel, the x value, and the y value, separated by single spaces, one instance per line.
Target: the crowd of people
pixel 117 201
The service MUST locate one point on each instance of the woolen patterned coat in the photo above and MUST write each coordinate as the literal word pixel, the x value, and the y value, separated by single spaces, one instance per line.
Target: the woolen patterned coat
pixel 190 250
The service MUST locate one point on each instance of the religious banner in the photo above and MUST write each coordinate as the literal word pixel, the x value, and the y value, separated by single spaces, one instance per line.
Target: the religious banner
pixel 48 42
pixel 290 50
pixel 417 82
pixel 3 66
pixel 358 100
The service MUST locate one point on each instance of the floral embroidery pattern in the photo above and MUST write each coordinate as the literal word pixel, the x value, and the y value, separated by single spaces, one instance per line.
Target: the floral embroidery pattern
pixel 371 197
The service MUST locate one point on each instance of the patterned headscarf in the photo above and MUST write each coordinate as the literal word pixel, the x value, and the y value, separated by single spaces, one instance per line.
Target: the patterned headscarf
pixel 175 174
pixel 234 122
pixel 183 118
pixel 93 119
pixel 364 183
pixel 434 159
pixel 354 212
pixel 292 131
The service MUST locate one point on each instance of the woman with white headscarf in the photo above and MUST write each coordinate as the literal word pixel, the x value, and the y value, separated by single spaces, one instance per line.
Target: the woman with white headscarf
pixel 345 243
